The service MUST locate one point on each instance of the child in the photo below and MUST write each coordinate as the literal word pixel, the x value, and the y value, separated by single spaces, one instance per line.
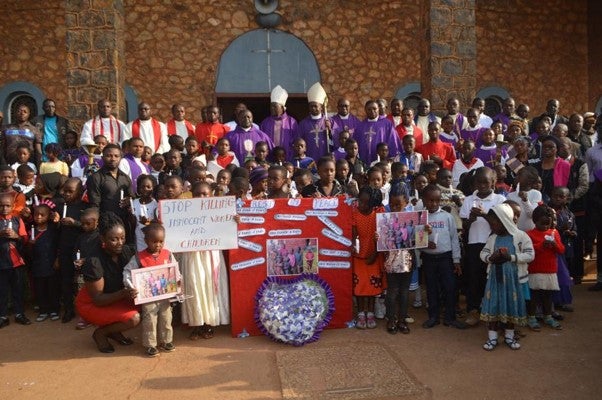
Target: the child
pixel 144 207
pixel 193 150
pixel 157 163
pixel 367 263
pixel 177 142
pixel 259 183
pixel 436 150
pixel 382 154
pixel 398 266
pixel 224 177
pixel 430 169
pixel 526 196
pixel 477 230
pixel 340 152
pixel 543 280
pixel 326 186
pixel 71 152
pixel 300 160
pixel 80 167
pixel 156 315
pixel 26 182
pixel 451 199
pixel 409 157
pixel 43 246
pixel 205 279
pixel 224 156
pixel 70 230
pixel 53 164
pixel 489 152
pixel 7 180
pixel 261 153
pixel 277 187
pixel 302 179
pixel 467 162
pixel 447 134
pixel 385 168
pixel 23 156
pixel 131 164
pixel 440 261
pixel 504 300
pixel 501 187
pixel 86 243
pixel 473 131
pixel 357 166
pixel 12 271
pixel 147 154
pixel 278 156
pixel 565 224
pixel 173 159
pixel 345 179
pixel 375 181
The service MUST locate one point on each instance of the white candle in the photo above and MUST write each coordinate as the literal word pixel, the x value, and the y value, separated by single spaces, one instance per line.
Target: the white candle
pixel 518 187
pixel 65 210
pixel 121 194
pixel 298 164
pixel 415 193
pixel 78 255
pixel 10 224
pixel 36 201
pixel 143 211
pixel 377 158
pixel 130 284
pixel 33 232
pixel 407 162
pixel 132 206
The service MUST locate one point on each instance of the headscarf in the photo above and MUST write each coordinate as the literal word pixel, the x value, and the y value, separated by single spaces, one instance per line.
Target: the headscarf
pixel 257 175
pixel 506 215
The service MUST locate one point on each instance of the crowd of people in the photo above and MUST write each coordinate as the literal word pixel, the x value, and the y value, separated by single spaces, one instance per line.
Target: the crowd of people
pixel 513 210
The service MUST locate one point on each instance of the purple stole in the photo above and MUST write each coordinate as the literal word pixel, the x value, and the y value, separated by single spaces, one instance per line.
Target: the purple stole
pixel 459 124
pixel 474 135
pixel 351 123
pixel 313 131
pixel 135 170
pixel 488 156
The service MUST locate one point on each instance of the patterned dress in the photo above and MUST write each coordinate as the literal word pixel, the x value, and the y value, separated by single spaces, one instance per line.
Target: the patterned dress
pixel 367 279
pixel 503 300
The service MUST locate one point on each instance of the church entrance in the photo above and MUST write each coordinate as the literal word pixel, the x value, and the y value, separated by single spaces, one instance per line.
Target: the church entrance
pixel 257 61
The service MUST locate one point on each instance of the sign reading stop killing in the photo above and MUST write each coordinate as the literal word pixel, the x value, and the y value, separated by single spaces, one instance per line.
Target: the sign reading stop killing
pixel 205 223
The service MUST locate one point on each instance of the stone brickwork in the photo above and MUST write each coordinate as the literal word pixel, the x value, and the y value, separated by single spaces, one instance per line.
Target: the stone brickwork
pixel 32 47
pixel 362 51
pixel 96 56
pixel 536 52
pixel 449 65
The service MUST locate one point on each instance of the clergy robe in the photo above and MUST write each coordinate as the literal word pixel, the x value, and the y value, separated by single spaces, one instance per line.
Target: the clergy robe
pixel 238 137
pixel 423 122
pixel 369 133
pixel 440 149
pixel 473 133
pixel 414 130
pixel 460 122
pixel 505 120
pixel 282 130
pixel 340 122
pixel 210 132
pixel 133 167
pixel 313 131
pixel 488 155
pixel 181 128
pixel 152 132
pixel 111 128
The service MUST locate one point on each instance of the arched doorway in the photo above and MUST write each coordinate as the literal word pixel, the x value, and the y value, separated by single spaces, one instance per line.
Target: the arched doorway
pixel 255 62
pixel 14 94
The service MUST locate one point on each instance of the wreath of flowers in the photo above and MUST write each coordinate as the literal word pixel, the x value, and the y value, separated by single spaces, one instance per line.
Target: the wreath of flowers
pixel 294 311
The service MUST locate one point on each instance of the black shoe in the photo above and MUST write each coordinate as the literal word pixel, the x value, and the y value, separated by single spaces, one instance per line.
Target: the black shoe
pixel 4 321
pixel 102 343
pixel 455 324
pixel 22 319
pixel 403 328
pixel 121 339
pixel 168 347
pixel 68 316
pixel 429 323
pixel 557 317
pixel 596 288
pixel 152 352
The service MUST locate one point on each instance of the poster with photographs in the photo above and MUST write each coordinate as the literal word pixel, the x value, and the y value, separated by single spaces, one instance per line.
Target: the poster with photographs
pixel 292 256
pixel 401 230
pixel 156 283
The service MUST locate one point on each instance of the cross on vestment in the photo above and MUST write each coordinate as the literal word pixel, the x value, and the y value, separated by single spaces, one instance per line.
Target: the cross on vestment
pixel 268 50
pixel 369 135
pixel 316 131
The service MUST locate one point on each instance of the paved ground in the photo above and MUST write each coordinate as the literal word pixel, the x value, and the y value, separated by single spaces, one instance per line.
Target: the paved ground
pixel 51 360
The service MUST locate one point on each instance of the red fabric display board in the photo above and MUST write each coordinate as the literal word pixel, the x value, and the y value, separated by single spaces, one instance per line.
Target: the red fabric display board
pixel 285 237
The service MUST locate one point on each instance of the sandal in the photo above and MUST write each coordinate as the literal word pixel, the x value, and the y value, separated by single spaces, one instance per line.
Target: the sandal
pixel 512 343
pixel 552 323
pixel 533 324
pixel 195 334
pixel 490 344
pixel 392 327
pixel 206 332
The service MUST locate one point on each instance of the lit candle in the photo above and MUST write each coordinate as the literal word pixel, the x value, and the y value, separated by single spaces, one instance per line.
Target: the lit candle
pixel 65 210
pixel 132 205
pixel 298 164
pixel 121 194
pixel 78 255
pixel 33 232
pixel 10 224
pixel 377 158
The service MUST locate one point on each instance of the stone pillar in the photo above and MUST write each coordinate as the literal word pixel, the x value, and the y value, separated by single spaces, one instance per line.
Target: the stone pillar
pixel 95 57
pixel 449 64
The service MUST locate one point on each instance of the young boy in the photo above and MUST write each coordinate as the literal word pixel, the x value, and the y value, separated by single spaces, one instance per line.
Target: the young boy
pixel 451 199
pixel 409 157
pixel 156 315
pixel 345 179
pixel 224 156
pixel 356 165
pixel 436 150
pixel 300 160
pixel 12 271
pixel 26 182
pixel 440 261
pixel 466 162
pixel 382 153
pixel 474 130
pixel 173 159
pixel 340 152
pixel 7 180
pixel 277 187
pixel 447 134
pixel 501 187
pixel 302 178
pixel 261 154
pixel 23 156
pixel 473 212
pixel 489 152
pixel 157 163
pixel 193 150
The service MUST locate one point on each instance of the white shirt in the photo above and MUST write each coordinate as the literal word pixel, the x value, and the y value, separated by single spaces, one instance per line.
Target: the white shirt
pixel 485 120
pixel 232 125
pixel 148 136
pixel 423 122
pixel 459 168
pixel 104 128
pixel 181 129
pixel 525 221
pixel 479 230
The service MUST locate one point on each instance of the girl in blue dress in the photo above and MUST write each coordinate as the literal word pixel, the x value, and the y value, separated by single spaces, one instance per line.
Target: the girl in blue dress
pixel 504 300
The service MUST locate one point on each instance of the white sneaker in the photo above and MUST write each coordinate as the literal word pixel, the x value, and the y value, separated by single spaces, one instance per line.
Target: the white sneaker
pixel 379 308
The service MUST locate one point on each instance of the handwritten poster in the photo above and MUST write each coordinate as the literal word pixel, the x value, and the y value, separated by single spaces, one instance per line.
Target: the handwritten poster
pixel 199 224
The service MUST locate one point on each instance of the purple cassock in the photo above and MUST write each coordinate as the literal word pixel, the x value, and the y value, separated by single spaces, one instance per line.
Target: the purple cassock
pixel 351 122
pixel 369 134
pixel 459 124
pixel 282 130
pixel 313 131
pixel 488 154
pixel 242 142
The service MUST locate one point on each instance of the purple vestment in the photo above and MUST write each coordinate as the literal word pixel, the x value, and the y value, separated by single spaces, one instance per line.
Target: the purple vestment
pixel 370 133
pixel 488 154
pixel 350 123
pixel 238 137
pixel 313 131
pixel 282 130
pixel 473 134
